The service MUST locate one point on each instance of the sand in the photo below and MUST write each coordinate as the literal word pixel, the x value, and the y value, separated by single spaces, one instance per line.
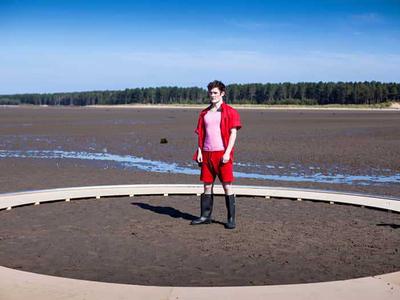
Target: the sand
pixel 148 240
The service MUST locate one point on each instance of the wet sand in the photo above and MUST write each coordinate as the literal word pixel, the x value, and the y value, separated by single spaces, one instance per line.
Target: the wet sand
pixel 358 143
pixel 148 240
pixel 267 248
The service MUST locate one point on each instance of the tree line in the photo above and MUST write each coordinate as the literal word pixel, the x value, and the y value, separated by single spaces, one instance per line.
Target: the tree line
pixel 310 93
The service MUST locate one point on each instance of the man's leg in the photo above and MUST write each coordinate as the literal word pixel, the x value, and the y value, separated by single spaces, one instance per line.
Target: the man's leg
pixel 227 188
pixel 206 205
pixel 207 198
pixel 226 178
pixel 208 188
pixel 230 205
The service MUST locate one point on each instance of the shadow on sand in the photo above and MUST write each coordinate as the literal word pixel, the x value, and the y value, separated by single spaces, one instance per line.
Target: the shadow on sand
pixel 394 226
pixel 166 210
pixel 170 211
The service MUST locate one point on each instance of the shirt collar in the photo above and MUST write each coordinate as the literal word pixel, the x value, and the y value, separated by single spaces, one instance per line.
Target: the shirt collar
pixel 220 109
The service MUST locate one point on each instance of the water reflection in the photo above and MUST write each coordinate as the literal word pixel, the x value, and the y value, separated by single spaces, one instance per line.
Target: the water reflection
pixel 264 172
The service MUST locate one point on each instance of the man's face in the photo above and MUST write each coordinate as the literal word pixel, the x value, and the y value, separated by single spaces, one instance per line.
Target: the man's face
pixel 215 95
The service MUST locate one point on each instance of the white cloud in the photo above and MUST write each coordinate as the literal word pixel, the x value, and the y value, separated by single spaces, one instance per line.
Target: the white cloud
pixel 255 25
pixel 370 18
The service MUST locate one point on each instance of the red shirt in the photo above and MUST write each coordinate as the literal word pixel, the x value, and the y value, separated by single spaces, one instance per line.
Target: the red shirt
pixel 230 118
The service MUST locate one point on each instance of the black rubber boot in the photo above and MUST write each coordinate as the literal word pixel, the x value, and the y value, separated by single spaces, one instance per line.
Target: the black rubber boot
pixel 206 204
pixel 230 207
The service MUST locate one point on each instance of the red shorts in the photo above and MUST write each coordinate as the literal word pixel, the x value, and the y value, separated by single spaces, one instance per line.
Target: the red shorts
pixel 213 166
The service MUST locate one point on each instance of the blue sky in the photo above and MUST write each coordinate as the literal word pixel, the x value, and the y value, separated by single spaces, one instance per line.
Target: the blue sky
pixel 56 46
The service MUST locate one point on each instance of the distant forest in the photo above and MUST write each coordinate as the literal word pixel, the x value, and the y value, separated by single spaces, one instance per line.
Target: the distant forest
pixel 310 93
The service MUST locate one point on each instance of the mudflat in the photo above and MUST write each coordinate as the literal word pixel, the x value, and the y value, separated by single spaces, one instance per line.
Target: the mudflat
pixel 148 240
pixel 276 142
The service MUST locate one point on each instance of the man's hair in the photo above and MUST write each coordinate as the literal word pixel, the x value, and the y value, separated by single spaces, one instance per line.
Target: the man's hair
pixel 216 84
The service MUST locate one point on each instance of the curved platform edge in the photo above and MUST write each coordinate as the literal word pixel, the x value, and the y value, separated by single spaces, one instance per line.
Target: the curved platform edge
pixel 10 200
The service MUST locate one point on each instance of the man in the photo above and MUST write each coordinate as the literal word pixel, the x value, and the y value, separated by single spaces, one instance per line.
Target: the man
pixel 217 130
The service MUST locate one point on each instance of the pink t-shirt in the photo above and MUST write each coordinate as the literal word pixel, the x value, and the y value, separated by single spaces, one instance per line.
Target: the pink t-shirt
pixel 213 140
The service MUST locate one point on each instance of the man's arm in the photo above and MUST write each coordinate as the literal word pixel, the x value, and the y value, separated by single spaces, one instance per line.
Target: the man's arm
pixel 231 143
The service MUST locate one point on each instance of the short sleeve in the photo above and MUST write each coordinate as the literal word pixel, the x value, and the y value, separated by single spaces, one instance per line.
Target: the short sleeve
pixel 234 121
pixel 197 130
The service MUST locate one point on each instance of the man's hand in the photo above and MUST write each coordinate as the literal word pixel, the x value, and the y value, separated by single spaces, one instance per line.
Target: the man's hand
pixel 199 157
pixel 226 157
